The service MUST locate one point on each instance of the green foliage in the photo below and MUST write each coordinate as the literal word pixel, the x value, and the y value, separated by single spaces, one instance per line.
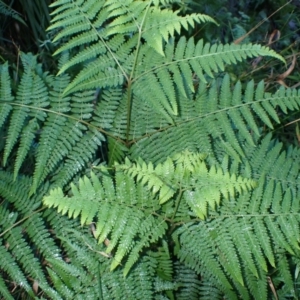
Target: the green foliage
pixel 8 11
pixel 191 197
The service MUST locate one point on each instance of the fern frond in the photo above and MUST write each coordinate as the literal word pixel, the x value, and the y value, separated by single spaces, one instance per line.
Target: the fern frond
pixel 285 273
pixel 40 236
pixel 9 265
pixel 25 236
pixel 183 61
pixel 112 60
pixel 206 204
pixel 221 115
pixel 24 256
pixel 39 103
pixel 201 186
pixel 4 290
pixel 188 282
pixel 129 233
pixel 6 93
pixel 155 25
pixel 157 179
pixel 8 11
pixel 31 91
pixel 190 255
pixel 26 139
pixel 134 18
pixel 251 225
pixel 69 278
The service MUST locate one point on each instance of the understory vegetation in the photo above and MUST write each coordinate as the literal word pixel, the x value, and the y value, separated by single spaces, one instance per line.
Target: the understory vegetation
pixel 149 150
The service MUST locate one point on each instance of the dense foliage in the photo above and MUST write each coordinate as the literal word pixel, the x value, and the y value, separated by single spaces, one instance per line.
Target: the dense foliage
pixel 139 164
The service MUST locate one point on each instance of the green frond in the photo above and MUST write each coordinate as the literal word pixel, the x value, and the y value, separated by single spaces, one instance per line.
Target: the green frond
pixel 85 278
pixel 189 283
pixel 4 290
pixel 210 185
pixel 24 256
pixel 129 233
pixel 263 236
pixel 31 91
pixel 258 287
pixel 157 178
pixel 285 274
pixel 189 172
pixel 255 230
pixel 219 116
pixel 16 192
pixel 160 25
pixel 17 123
pixel 9 266
pixel 165 2
pixel 156 26
pixel 6 93
pixel 79 157
pixel 8 11
pixel 39 103
pixel 40 236
pixel 60 286
pixel 26 139
pixel 107 66
pixel 137 285
pixel 189 197
pixel 102 73
pixel 24 236
pixel 117 151
pixel 202 259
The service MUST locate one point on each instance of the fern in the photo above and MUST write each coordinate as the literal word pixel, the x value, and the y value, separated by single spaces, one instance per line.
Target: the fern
pixel 140 171
pixel 129 233
pixel 8 11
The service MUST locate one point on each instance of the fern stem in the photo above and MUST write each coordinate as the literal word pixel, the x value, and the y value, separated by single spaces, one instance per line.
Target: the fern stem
pixel 129 108
pixel 138 46
pixel 129 95
pixel 69 117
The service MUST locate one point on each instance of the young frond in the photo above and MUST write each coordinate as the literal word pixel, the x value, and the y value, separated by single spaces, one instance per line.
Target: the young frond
pixel 188 172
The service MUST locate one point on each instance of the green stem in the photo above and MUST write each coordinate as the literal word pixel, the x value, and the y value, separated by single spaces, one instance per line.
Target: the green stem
pixel 129 106
pixel 130 79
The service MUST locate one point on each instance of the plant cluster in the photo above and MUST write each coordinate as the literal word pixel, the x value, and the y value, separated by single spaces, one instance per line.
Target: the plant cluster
pixel 143 169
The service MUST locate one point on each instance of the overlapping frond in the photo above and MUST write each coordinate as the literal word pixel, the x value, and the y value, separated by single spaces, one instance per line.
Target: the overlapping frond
pixel 111 48
pixel 256 227
pixel 31 92
pixel 216 113
pixel 184 63
pixel 39 103
pixel 187 171
pixel 177 223
pixel 24 236
pixel 120 211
